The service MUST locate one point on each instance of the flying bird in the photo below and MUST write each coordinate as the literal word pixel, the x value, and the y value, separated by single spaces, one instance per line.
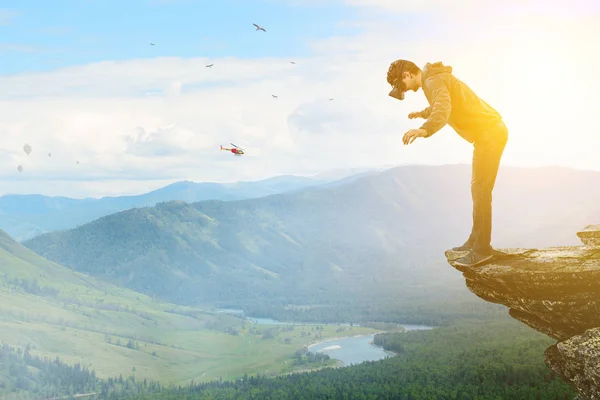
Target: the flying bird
pixel 292 62
pixel 49 155
pixel 274 96
pixel 259 28
pixel 152 44
pixel 209 65
pixel 331 98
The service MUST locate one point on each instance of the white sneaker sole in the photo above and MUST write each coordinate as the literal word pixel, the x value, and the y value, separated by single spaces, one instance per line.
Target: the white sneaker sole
pixel 476 264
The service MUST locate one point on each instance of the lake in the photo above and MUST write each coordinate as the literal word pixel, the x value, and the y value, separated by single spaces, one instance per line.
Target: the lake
pixel 349 350
pixel 354 350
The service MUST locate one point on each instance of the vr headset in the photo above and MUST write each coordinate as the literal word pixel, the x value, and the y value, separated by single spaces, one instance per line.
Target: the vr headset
pixel 398 89
pixel 397 93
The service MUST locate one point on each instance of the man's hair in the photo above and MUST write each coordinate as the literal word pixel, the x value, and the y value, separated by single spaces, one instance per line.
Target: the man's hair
pixel 398 67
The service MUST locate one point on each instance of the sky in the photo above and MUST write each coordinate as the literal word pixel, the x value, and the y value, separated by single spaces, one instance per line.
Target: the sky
pixel 80 80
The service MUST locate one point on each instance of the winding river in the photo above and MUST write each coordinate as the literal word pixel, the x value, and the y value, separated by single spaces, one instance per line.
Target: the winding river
pixel 348 350
pixel 356 349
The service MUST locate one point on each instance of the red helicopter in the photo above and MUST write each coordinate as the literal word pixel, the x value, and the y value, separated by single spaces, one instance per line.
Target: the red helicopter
pixel 235 150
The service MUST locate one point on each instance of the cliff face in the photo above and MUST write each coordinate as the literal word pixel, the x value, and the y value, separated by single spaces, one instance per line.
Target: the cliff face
pixel 555 291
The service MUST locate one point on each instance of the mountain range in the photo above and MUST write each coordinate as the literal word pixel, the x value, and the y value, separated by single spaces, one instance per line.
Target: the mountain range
pixel 24 216
pixel 382 232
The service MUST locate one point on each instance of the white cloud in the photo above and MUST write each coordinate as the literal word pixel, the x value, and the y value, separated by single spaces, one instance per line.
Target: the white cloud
pixel 538 74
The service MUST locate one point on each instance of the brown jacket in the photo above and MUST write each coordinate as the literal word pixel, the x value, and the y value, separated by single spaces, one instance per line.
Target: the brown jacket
pixel 452 102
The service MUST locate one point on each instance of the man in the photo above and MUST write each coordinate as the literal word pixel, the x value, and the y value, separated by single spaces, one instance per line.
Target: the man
pixel 452 102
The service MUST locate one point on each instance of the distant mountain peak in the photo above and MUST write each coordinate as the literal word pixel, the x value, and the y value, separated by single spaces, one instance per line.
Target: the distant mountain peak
pixel 27 216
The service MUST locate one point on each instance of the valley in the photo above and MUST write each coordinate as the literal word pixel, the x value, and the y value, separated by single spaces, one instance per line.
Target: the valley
pixel 138 293
pixel 56 312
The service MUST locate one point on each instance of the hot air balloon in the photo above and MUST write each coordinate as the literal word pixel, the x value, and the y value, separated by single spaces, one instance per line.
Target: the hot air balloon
pixel 20 168
pixel 27 149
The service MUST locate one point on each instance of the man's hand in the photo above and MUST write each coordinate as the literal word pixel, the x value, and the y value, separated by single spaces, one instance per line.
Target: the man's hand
pixel 411 135
pixel 413 115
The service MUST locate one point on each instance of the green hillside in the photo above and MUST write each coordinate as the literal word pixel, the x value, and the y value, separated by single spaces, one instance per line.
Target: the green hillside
pixel 309 246
pixel 24 216
pixel 57 312
pixel 383 233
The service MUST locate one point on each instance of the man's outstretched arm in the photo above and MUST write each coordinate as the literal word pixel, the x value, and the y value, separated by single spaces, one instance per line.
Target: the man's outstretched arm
pixel 440 106
pixel 425 113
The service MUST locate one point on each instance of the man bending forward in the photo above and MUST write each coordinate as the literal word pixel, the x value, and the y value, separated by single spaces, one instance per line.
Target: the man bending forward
pixel 452 102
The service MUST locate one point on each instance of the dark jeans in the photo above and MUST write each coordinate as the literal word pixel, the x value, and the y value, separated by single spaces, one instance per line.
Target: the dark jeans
pixel 487 152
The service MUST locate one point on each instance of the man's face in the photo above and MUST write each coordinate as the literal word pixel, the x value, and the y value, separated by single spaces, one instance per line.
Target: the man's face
pixel 410 81
pixel 403 84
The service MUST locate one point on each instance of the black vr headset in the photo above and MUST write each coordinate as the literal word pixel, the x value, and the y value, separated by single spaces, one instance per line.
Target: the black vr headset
pixel 397 93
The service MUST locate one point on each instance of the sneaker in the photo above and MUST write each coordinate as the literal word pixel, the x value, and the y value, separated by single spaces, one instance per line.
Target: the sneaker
pixel 473 259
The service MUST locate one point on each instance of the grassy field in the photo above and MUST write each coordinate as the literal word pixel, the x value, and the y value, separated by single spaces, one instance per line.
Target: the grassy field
pixel 62 313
